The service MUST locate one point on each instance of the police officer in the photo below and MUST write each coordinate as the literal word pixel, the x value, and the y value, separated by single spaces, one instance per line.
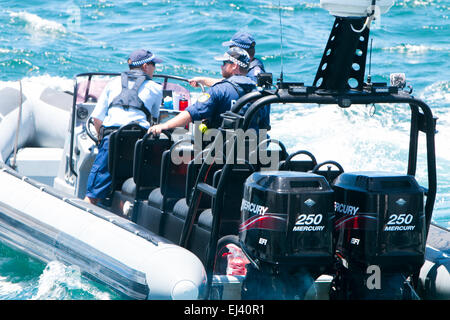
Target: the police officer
pixel 220 97
pixel 132 97
pixel 246 41
pixel 243 40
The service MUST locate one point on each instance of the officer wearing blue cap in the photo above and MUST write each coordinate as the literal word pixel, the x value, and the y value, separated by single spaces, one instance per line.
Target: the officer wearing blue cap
pixel 243 40
pixel 220 97
pixel 132 97
pixel 246 41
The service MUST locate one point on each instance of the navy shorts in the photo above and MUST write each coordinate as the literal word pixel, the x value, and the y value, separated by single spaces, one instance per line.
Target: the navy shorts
pixel 99 180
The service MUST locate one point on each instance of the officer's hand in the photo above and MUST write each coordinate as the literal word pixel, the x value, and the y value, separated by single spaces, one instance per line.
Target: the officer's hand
pixel 195 81
pixel 156 129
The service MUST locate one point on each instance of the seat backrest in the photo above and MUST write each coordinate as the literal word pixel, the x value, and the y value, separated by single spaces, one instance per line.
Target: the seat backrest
pixel 121 153
pixel 148 154
pixel 266 158
pixel 192 173
pixel 173 175
pixel 328 173
pixel 298 165
pixel 232 197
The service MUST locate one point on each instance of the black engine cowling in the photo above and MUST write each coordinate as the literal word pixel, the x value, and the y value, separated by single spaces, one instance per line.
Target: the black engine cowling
pixel 379 235
pixel 286 231
pixel 286 219
pixel 379 220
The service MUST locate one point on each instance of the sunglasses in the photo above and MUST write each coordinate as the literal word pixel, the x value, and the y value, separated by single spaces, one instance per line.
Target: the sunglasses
pixel 225 62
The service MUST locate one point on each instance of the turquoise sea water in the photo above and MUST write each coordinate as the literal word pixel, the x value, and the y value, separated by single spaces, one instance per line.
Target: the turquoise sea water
pixel 50 42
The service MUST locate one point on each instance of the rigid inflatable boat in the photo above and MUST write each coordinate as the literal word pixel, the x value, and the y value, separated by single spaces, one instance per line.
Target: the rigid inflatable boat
pixel 186 220
pixel 52 224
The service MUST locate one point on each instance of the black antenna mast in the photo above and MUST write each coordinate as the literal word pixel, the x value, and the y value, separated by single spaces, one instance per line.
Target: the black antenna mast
pixel 369 76
pixel 281 42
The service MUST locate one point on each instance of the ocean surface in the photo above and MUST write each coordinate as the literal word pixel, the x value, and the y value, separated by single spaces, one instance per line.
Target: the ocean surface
pixel 49 42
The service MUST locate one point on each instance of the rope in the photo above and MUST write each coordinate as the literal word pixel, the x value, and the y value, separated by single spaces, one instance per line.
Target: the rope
pixel 16 141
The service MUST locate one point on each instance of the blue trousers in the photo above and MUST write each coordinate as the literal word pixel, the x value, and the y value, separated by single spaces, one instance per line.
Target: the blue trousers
pixel 99 180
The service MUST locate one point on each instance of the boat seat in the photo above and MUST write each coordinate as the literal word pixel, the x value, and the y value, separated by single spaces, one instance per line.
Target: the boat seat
pixel 201 232
pixel 193 171
pixel 231 211
pixel 175 219
pixel 148 154
pixel 146 172
pixel 121 153
pixel 298 165
pixel 40 164
pixel 266 162
pixel 172 188
pixel 329 174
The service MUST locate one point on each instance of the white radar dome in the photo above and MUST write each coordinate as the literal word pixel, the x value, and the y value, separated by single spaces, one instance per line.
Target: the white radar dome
pixel 354 8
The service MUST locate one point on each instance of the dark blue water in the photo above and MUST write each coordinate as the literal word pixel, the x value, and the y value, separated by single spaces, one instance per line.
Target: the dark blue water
pixel 50 42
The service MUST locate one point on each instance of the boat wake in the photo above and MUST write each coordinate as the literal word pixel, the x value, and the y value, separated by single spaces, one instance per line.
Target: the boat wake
pixel 54 281
pixel 61 282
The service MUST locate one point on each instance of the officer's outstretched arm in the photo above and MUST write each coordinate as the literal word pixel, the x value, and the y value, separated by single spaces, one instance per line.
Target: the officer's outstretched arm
pixel 206 81
pixel 181 120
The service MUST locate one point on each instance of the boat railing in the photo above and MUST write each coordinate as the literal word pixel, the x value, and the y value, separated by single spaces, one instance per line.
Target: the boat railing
pixel 422 120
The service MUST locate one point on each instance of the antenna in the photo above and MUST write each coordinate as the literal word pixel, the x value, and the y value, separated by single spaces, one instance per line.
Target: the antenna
pixel 281 41
pixel 369 77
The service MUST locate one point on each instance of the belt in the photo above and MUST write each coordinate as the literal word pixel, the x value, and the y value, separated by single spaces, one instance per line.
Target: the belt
pixel 106 131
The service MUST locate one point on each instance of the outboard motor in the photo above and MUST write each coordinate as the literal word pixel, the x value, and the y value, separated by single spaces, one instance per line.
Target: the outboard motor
pixel 379 235
pixel 286 232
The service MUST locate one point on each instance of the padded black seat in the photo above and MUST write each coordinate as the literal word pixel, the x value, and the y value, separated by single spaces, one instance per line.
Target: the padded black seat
pixel 146 171
pixel 148 154
pixel 172 188
pixel 121 153
pixel 201 233
pixel 175 219
pixel 231 211
pixel 298 165
pixel 329 174
pixel 268 159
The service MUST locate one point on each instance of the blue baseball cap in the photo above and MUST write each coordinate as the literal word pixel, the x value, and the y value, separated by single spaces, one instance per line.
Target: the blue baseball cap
pixel 236 55
pixel 141 56
pixel 242 40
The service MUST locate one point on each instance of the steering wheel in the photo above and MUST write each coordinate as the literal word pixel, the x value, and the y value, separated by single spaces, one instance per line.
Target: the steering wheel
pixel 94 137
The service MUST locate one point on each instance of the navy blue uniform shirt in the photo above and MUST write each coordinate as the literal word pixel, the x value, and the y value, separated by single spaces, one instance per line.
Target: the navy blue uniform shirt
pixel 256 67
pixel 219 99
